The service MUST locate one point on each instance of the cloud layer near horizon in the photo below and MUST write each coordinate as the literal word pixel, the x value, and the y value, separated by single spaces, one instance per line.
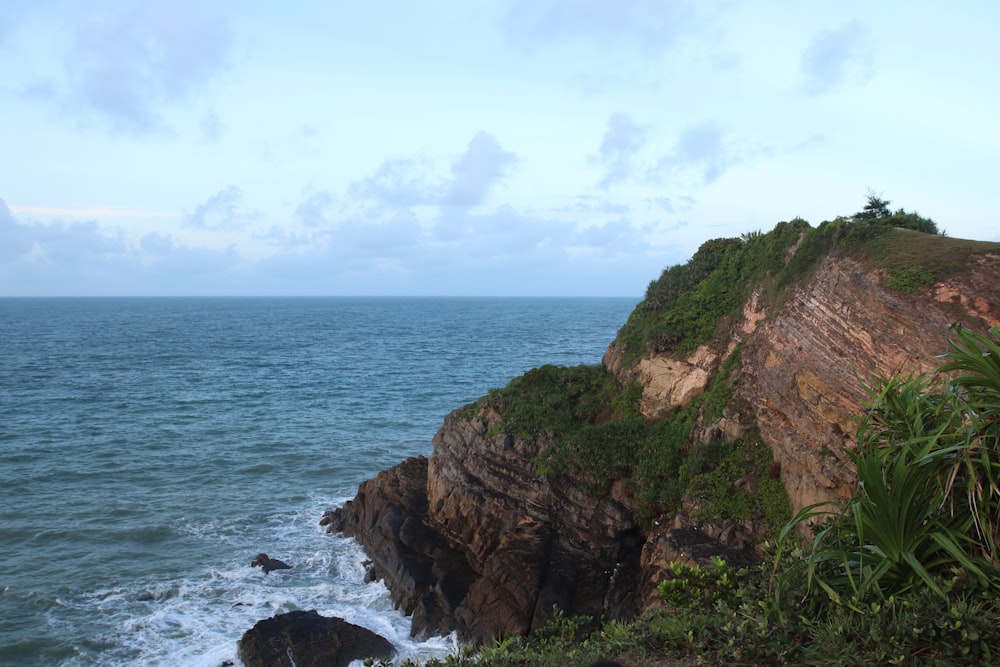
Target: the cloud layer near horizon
pixel 544 147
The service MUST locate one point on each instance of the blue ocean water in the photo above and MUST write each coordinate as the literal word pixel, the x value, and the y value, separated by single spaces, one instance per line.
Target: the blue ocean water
pixel 150 448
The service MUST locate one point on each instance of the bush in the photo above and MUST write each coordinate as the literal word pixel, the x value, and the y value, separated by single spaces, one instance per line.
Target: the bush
pixel 927 500
pixel 692 587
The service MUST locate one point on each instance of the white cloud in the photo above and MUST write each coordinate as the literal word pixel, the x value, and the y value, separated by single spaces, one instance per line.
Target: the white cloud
pixel 164 256
pixel 399 182
pixel 126 63
pixel 622 140
pixel 15 239
pixel 221 211
pixel 314 210
pixel 701 147
pixel 59 242
pixel 650 25
pixel 835 56
pixel 482 166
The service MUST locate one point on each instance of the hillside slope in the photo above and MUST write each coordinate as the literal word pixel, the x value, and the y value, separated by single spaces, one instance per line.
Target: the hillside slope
pixel 729 395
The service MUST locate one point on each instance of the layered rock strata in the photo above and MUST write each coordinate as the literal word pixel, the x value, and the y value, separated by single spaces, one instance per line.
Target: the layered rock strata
pixel 805 368
pixel 474 540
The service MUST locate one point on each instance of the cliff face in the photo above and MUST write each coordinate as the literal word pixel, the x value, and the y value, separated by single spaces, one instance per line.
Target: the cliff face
pixel 804 369
pixel 474 539
pixel 535 542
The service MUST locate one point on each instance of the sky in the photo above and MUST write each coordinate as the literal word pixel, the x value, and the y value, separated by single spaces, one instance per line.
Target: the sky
pixel 494 147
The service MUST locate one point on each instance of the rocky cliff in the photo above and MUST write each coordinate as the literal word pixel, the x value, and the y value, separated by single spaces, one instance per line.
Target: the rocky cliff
pixel 805 366
pixel 475 539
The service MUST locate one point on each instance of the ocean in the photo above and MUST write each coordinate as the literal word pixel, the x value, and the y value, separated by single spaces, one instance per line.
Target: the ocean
pixel 150 448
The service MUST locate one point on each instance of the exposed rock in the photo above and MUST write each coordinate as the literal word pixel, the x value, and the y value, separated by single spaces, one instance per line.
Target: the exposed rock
pixel 426 577
pixel 497 546
pixel 803 369
pixel 668 383
pixel 534 542
pixel 306 639
pixel 474 540
pixel 268 564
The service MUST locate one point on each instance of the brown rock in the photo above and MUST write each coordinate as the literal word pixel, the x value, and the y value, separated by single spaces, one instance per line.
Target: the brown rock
pixel 426 577
pixel 474 540
pixel 803 370
pixel 534 541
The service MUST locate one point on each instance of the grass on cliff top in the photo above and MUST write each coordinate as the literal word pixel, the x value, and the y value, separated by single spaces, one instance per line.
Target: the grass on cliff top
pixel 697 302
pixel 692 303
pixel 913 259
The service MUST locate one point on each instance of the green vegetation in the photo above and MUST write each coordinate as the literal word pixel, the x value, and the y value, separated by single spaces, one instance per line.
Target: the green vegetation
pixel 689 304
pixel 691 587
pixel 694 303
pixel 595 432
pixel 904 573
pixel 745 458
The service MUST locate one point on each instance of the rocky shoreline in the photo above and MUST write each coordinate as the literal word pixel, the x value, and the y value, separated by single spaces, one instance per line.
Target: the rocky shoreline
pixel 474 540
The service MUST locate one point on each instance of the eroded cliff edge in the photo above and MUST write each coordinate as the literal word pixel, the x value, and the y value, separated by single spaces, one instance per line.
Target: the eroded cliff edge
pixel 486 538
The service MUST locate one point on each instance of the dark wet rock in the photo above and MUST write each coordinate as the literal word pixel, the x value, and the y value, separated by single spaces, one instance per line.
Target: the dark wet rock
pixel 425 575
pixel 267 564
pixel 475 542
pixel 307 639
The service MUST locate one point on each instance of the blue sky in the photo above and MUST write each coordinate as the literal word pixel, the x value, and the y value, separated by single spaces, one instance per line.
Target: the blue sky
pixel 517 147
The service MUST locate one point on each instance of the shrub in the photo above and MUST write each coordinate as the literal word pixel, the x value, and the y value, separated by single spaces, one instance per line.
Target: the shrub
pixel 927 500
pixel 702 587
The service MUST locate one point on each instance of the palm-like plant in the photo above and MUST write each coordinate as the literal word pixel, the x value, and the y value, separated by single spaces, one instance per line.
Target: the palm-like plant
pixel 976 471
pixel 927 499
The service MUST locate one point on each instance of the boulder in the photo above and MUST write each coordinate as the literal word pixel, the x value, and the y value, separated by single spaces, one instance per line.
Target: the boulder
pixel 307 639
pixel 268 564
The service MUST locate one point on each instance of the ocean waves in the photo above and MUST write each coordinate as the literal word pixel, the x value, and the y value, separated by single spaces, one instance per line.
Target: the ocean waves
pixel 150 448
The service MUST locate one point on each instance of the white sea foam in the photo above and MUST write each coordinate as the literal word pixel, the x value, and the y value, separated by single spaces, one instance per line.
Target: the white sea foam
pixel 197 621
pixel 154 447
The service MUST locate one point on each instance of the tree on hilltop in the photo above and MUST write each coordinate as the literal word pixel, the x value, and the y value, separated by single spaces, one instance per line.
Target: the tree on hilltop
pixel 876 211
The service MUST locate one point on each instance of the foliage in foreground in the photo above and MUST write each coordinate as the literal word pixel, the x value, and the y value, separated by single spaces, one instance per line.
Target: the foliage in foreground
pixel 928 491
pixel 751 626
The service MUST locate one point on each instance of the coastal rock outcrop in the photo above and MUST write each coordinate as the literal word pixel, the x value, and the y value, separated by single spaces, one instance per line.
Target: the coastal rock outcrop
pixel 307 639
pixel 427 578
pixel 475 540
pixel 268 564
pixel 535 542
